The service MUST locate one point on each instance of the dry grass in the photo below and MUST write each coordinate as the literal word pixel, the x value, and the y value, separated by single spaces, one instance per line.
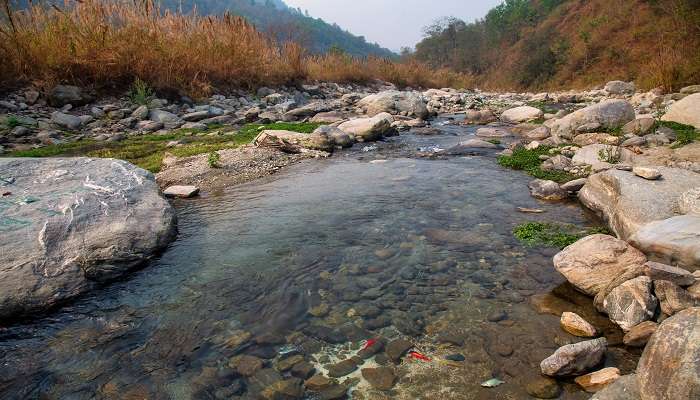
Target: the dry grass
pixel 111 43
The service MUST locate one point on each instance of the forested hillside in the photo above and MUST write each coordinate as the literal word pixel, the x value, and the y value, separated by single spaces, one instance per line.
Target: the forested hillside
pixel 534 44
pixel 274 17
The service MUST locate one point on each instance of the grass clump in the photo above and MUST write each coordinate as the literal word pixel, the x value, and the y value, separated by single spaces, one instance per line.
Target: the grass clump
pixel 12 121
pixel 147 151
pixel 685 134
pixel 213 159
pixel 140 92
pixel 552 234
pixel 494 141
pixel 528 160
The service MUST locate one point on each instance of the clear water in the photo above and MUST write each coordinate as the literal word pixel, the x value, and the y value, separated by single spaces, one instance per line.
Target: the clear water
pixel 404 246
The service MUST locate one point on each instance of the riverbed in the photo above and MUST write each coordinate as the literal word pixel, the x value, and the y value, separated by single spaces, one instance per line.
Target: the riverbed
pixel 376 241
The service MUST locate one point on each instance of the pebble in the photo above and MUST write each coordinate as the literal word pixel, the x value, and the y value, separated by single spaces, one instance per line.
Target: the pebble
pixel 648 173
pixel 181 191
pixel 397 348
pixel 497 316
pixel 597 380
pixel 381 378
pixel 342 368
pixel 543 388
pixel 577 326
pixel 455 357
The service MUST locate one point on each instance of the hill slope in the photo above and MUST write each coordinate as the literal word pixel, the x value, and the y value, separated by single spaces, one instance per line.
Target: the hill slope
pixel 537 44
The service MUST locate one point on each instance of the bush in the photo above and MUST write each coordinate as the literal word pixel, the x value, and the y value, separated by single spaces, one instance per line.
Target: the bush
pixel 213 159
pixel 140 92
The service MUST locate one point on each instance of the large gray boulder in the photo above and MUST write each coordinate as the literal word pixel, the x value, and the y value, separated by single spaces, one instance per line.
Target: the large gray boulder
pixel 66 120
pixel 168 119
pixel 620 87
pixel 685 111
pixel 670 365
pixel 395 102
pixel 71 223
pixel 61 95
pixel 521 114
pixel 631 303
pixel 628 202
pixel 575 359
pixel 674 240
pixel 593 262
pixel 609 114
pixel 625 388
pixel 368 129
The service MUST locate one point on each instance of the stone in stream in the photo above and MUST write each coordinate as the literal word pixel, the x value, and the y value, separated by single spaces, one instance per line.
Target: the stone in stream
pixel 674 298
pixel 547 190
pixel 669 367
pixel 593 262
pixel 318 383
pixel 662 272
pixel 338 137
pixel 521 114
pixel 286 364
pixel 624 388
pixel 575 185
pixel 287 389
pixel 577 326
pixel 639 335
pixel 294 142
pixel 73 223
pixel 303 370
pixel 574 359
pixel 333 392
pixel 342 368
pixel 246 365
pixel 381 378
pixel 181 191
pixel 595 381
pixel 368 129
pixel 397 348
pixel 631 303
pixel 543 388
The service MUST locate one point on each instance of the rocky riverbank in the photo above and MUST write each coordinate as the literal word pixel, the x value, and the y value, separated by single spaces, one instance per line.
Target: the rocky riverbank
pixel 630 157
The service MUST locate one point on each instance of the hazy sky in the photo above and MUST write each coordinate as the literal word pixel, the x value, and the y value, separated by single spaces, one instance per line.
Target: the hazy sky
pixel 392 23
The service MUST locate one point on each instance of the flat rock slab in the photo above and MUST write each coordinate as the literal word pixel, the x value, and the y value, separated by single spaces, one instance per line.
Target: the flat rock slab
pixel 181 191
pixel 628 202
pixel 674 240
pixel 70 223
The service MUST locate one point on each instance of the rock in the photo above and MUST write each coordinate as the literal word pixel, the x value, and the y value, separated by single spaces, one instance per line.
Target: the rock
pixel 181 191
pixel 149 126
pixel 685 111
pixel 576 325
pixel 329 117
pixel 381 378
pixel 596 381
pixel 169 120
pixel 293 142
pixel 673 298
pixel 492 133
pixel 625 388
pixel 574 359
pixel 669 367
pixel 689 202
pixel 639 127
pixel 620 87
pixel 648 173
pixel 395 102
pixel 543 388
pixel 662 272
pixel 140 113
pixel 610 114
pixel 307 110
pixel 334 392
pixel 593 262
pixel 479 117
pixel 397 348
pixel 629 273
pixel 547 190
pixel 539 133
pixel 246 365
pixel 628 203
pixel 73 208
pixel 455 357
pixel 342 368
pixel 471 147
pixel 600 156
pixel 287 389
pixel 368 129
pixel 195 126
pixel 634 142
pixel 692 89
pixel 673 240
pixel 575 185
pixel 336 135
pixel 639 335
pixel 631 303
pixel 66 120
pixel 196 116
pixel 586 139
pixel 31 96
pixel 61 95
pixel 521 114
pixel 557 163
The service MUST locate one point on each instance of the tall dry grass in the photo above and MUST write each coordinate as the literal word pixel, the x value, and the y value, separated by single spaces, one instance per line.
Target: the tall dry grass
pixel 110 43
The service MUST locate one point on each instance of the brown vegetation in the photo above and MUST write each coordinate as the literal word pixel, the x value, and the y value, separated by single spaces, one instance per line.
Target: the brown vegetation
pixel 108 44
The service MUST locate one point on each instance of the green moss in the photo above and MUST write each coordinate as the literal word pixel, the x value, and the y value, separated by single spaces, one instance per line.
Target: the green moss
pixel 12 121
pixel 685 134
pixel 494 141
pixel 530 162
pixel 147 151
pixel 552 234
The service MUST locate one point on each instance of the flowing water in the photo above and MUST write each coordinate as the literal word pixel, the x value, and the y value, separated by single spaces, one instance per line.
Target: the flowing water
pixel 315 260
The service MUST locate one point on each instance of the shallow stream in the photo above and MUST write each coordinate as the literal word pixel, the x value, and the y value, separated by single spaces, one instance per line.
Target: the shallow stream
pixel 373 241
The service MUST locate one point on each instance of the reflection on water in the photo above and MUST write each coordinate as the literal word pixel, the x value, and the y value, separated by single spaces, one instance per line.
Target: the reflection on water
pixel 324 254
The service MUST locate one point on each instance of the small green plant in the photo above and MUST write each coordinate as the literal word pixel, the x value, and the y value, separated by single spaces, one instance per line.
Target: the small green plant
pixel 610 154
pixel 12 121
pixel 685 134
pixel 214 159
pixel 140 92
pixel 552 234
pixel 494 141
pixel 529 161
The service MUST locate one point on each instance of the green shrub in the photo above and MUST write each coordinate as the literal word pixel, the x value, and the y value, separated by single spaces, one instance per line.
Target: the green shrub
pixel 552 234
pixel 140 92
pixel 12 121
pixel 214 159
pixel 685 134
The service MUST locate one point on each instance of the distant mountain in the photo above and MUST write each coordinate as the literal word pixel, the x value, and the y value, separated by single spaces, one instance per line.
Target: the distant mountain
pixel 285 23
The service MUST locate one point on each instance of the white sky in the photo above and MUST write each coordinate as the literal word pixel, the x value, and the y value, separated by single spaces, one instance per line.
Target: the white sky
pixel 392 23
